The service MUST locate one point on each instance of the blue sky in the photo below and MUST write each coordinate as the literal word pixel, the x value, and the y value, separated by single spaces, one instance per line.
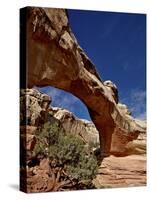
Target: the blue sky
pixel 116 44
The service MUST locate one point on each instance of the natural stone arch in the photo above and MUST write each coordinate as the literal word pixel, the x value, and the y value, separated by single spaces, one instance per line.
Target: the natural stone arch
pixel 54 58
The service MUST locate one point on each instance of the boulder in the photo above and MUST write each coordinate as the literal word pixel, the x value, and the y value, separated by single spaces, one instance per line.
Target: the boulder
pixel 33 107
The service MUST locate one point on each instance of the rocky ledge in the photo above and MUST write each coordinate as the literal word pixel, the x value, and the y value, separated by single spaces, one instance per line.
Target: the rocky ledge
pixel 122 172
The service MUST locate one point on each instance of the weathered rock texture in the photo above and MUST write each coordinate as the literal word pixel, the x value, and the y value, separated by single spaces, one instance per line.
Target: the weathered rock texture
pixel 54 58
pixel 79 127
pixel 36 110
pixel 122 172
pixel 33 107
pixel 129 170
pixel 36 173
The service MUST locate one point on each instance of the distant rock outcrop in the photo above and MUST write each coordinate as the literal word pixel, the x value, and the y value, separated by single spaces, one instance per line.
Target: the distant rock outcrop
pixel 54 58
pixel 36 110
pixel 79 127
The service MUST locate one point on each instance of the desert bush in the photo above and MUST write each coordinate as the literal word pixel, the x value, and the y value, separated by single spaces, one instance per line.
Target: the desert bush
pixel 66 151
pixel 46 136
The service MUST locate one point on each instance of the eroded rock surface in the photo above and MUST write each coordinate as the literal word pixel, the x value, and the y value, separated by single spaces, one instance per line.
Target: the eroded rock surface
pixel 36 173
pixel 114 171
pixel 36 110
pixel 54 58
pixel 79 127
pixel 33 107
pixel 128 170
pixel 122 172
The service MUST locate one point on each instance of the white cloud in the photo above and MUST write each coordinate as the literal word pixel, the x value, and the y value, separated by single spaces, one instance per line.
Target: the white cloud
pixel 61 98
pixel 66 100
pixel 136 101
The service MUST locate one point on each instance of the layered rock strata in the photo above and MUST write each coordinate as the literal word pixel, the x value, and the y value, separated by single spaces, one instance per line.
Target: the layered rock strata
pixel 124 171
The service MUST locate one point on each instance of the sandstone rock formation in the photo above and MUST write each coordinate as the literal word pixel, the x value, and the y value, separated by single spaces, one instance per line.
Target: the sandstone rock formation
pixel 129 170
pixel 122 172
pixel 39 178
pixel 33 113
pixel 54 58
pixel 79 127
pixel 36 110
pixel 36 173
pixel 33 107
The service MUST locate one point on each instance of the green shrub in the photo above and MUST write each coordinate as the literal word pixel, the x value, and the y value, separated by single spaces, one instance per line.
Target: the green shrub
pixel 66 150
pixel 46 136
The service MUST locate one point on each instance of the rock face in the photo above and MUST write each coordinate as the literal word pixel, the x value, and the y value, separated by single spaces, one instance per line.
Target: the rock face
pixel 39 177
pixel 36 172
pixel 113 89
pixel 72 125
pixel 38 111
pixel 114 171
pixel 122 172
pixel 128 170
pixel 54 58
pixel 33 107
pixel 35 111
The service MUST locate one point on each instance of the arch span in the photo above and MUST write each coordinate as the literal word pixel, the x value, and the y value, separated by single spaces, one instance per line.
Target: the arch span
pixel 54 58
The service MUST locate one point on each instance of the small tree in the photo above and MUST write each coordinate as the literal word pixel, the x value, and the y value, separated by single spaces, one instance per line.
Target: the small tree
pixel 46 136
pixel 68 157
